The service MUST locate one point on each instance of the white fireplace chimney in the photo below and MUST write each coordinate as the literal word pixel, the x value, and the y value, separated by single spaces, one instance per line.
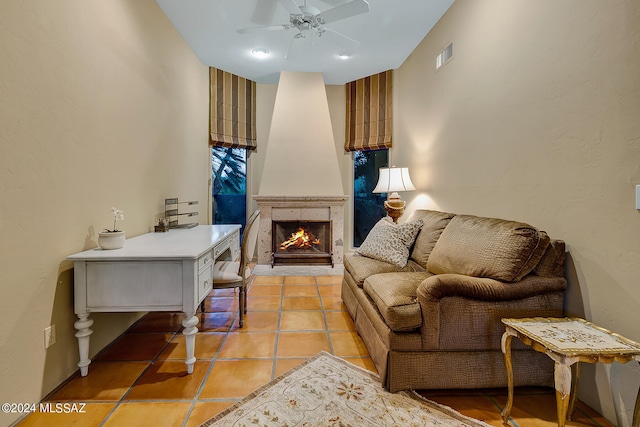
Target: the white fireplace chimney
pixel 301 158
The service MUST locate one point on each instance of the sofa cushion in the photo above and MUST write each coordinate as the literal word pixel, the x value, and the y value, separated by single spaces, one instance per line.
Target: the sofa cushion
pixel 487 247
pixel 390 242
pixel 360 267
pixel 394 294
pixel 552 262
pixel 433 224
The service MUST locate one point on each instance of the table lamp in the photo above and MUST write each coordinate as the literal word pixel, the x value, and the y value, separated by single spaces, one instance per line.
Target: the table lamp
pixel 390 181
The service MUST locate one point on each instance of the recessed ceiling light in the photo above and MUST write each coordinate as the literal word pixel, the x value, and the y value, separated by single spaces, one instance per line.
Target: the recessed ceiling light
pixel 260 52
pixel 344 55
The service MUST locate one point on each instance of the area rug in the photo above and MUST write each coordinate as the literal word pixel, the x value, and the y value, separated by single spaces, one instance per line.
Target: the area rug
pixel 329 391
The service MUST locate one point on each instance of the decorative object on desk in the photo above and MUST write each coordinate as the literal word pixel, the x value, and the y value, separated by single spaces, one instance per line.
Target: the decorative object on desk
pixel 326 390
pixel 172 213
pixel 114 238
pixel 390 181
pixel 162 226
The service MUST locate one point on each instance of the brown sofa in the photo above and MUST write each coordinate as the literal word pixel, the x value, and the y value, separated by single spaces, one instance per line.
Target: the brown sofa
pixel 435 322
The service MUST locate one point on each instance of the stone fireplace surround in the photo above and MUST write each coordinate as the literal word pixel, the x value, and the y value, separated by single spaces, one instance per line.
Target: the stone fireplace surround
pixel 282 208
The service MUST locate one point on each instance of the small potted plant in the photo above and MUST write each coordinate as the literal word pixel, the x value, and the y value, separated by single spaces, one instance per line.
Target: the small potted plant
pixel 114 238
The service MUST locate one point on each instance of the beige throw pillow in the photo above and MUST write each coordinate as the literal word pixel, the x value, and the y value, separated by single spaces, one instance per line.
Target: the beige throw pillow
pixel 434 223
pixel 390 242
pixel 487 247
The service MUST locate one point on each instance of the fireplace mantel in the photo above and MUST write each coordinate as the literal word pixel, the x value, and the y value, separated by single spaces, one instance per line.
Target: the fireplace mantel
pixel 280 208
pixel 300 201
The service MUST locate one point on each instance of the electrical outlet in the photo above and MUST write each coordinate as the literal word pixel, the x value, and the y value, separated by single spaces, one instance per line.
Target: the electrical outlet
pixel 49 336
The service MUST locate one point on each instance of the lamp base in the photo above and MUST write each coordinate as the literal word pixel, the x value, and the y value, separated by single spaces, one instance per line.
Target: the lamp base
pixel 394 208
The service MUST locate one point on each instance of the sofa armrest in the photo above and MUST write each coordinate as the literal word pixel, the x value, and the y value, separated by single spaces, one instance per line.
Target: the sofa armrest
pixel 443 285
pixel 463 312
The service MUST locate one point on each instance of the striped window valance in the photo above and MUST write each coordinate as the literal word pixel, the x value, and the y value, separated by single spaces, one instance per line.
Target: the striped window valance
pixel 369 113
pixel 232 111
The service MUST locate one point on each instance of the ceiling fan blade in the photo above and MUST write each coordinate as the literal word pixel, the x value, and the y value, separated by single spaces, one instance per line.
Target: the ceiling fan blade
pixel 333 3
pixel 347 10
pixel 264 28
pixel 297 42
pixel 341 35
pixel 291 6
pixel 264 11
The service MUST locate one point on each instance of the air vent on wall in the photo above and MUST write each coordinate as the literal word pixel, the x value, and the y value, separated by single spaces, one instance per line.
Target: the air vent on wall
pixel 444 56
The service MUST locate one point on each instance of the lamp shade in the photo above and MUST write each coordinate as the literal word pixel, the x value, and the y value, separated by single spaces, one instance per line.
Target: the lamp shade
pixel 393 179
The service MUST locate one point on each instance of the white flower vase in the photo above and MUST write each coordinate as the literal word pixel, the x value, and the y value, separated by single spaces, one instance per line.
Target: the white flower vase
pixel 111 239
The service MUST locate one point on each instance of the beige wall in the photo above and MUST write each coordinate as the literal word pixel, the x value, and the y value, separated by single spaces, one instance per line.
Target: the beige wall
pixel 102 104
pixel 536 119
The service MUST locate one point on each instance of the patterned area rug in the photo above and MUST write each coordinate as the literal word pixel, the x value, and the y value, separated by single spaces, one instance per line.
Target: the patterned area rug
pixel 328 391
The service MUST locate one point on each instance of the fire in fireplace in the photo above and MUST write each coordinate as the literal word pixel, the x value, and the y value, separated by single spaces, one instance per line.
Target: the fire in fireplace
pixel 301 242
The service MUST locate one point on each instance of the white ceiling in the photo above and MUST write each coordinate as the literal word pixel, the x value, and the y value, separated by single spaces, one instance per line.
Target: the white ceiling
pixel 388 33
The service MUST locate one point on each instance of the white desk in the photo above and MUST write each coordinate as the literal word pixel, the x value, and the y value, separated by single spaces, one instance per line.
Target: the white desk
pixel 169 271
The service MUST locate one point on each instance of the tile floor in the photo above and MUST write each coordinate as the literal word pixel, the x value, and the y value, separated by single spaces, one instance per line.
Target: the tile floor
pixel 141 380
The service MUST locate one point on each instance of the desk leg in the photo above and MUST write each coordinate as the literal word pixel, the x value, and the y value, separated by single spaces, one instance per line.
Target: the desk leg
pixel 189 323
pixel 82 325
pixel 575 379
pixel 506 350
pixel 562 379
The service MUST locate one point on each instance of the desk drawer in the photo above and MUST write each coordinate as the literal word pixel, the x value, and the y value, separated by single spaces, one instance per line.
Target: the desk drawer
pixel 133 285
pixel 221 247
pixel 204 260
pixel 205 282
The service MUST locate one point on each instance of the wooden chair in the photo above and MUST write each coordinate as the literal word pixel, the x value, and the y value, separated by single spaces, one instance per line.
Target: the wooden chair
pixel 235 274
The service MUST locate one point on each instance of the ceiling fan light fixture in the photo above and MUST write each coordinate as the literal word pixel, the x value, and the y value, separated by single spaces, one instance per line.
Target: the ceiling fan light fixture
pixel 309 21
pixel 260 52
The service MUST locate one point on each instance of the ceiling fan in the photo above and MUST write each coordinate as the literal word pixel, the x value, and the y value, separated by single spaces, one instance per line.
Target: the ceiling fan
pixel 308 19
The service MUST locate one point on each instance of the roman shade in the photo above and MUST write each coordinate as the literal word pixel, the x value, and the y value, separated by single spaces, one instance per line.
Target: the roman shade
pixel 369 113
pixel 232 111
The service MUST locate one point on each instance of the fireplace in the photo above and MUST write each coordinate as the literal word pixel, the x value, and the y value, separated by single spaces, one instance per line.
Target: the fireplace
pixel 289 189
pixel 294 211
pixel 301 242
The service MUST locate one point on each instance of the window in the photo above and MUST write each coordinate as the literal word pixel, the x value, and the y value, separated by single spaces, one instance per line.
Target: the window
pixel 368 207
pixel 229 185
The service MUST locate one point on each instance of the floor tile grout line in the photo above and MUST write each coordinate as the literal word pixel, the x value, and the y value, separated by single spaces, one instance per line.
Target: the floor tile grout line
pixel 212 364
pixel 324 318
pixel 129 332
pixel 278 324
pixel 226 333
pixel 193 400
pixel 215 358
pixel 144 371
pixel 514 423
pixel 190 411
pixel 111 412
pixel 593 420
